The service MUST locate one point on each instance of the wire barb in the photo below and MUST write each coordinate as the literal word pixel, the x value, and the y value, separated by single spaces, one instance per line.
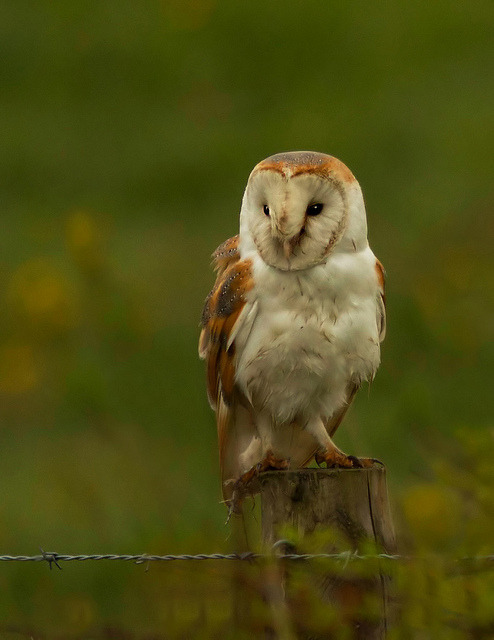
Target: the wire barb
pixel 51 557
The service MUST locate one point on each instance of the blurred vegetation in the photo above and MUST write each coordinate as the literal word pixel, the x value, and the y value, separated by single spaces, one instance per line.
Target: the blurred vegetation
pixel 128 132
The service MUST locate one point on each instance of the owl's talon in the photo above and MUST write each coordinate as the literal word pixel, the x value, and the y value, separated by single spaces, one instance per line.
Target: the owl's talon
pixel 356 464
pixel 319 458
pixel 270 462
pixel 339 460
pixel 368 463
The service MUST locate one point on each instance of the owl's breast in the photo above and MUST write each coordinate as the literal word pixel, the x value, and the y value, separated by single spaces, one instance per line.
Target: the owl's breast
pixel 311 337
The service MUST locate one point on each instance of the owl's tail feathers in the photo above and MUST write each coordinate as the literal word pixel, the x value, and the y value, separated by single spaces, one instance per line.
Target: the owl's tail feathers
pixel 237 441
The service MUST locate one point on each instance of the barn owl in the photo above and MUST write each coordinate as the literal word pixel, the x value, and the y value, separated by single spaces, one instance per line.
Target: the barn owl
pixel 293 324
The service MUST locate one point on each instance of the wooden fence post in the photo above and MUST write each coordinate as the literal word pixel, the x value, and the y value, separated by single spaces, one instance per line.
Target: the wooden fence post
pixel 349 504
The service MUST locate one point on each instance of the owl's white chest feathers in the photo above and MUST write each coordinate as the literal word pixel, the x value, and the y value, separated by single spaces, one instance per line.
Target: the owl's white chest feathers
pixel 315 332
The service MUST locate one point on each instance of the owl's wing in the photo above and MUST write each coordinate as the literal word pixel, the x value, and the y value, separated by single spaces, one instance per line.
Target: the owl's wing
pixel 225 312
pixel 225 256
pixel 352 388
pixel 381 300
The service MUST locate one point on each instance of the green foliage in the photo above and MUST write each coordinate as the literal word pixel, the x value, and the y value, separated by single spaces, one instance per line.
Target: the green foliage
pixel 127 135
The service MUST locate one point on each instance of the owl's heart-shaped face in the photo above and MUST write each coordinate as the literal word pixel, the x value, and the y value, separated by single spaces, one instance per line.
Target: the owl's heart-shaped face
pixel 296 208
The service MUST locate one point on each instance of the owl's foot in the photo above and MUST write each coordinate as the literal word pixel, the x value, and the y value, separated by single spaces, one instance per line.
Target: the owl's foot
pixel 246 484
pixel 334 458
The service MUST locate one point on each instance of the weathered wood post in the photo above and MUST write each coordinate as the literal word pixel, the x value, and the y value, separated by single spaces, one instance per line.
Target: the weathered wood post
pixel 350 505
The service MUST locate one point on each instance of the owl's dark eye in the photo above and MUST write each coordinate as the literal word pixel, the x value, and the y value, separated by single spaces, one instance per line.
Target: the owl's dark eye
pixel 314 209
pixel 266 209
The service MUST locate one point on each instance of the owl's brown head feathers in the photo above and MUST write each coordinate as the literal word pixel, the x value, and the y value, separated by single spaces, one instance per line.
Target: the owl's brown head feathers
pixel 295 163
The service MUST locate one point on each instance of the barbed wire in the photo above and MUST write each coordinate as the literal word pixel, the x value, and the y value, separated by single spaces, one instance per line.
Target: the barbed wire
pixel 54 558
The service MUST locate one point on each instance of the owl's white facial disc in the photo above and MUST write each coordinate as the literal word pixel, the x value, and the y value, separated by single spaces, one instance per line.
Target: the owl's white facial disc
pixel 296 208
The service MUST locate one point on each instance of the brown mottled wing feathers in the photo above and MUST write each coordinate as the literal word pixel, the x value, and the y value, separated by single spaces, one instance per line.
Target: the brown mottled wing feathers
pixel 221 311
pixel 226 254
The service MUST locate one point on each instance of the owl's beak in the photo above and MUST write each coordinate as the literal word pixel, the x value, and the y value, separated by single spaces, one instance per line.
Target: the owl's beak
pixel 287 248
pixel 287 234
pixel 289 245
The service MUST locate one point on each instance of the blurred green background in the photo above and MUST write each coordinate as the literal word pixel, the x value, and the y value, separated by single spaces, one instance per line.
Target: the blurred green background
pixel 128 131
